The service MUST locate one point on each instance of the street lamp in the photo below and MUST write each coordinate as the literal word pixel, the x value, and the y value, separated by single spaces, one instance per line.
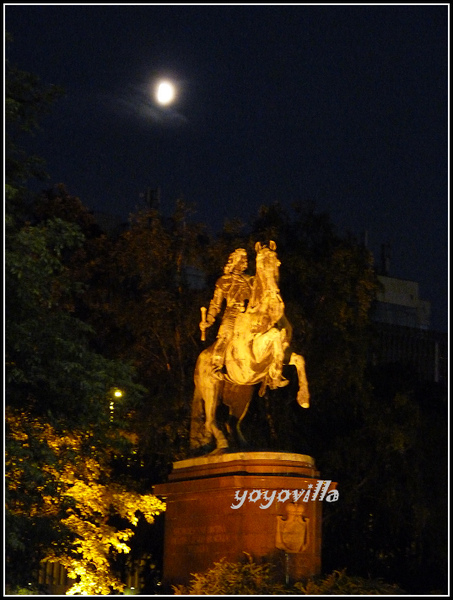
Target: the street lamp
pixel 117 393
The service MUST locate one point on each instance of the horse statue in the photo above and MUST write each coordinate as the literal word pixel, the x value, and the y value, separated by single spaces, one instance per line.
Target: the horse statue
pixel 253 352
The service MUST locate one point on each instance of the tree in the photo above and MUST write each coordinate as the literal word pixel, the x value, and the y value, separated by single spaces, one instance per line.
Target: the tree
pixel 55 377
pixel 27 100
pixel 393 477
pixel 66 483
pixel 62 435
pixel 143 300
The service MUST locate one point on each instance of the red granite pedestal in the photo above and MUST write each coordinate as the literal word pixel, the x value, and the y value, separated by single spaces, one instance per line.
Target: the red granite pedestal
pixel 201 525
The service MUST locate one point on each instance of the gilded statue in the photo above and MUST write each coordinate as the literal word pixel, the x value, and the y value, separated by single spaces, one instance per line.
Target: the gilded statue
pixel 252 345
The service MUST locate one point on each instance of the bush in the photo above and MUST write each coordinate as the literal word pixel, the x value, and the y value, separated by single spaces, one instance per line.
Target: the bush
pixel 250 578
pixel 340 584
pixel 225 578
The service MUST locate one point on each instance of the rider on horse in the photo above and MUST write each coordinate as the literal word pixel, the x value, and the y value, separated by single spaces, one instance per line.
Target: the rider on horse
pixel 235 288
pixel 252 345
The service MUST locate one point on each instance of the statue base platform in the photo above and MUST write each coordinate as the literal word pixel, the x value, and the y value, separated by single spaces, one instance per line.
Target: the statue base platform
pixel 222 506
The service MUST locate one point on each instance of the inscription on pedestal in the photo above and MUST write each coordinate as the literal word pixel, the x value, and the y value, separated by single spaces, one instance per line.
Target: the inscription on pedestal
pixel 184 536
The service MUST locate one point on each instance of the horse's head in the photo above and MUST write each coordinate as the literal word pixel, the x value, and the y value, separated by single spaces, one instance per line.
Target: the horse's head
pixel 265 305
pixel 267 263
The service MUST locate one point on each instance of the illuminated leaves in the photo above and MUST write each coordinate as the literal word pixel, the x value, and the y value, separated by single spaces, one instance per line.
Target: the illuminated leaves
pixel 70 489
pixel 96 539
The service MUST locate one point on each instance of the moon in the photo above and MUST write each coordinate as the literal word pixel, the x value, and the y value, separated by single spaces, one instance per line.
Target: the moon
pixel 165 93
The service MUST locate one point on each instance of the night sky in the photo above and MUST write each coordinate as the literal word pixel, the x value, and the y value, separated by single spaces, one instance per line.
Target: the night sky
pixel 343 108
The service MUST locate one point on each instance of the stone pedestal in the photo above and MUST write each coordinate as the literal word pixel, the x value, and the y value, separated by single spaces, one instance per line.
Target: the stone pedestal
pixel 201 525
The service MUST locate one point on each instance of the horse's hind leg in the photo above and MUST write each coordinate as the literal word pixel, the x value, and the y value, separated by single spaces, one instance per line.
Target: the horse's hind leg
pixel 237 398
pixel 221 441
pixel 211 395
pixel 205 402
pixel 303 395
pixel 199 434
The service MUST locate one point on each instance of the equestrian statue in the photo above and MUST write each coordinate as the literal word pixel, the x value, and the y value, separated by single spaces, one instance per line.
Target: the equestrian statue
pixel 252 345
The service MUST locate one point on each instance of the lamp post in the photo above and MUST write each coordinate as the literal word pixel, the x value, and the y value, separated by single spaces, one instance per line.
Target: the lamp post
pixel 117 393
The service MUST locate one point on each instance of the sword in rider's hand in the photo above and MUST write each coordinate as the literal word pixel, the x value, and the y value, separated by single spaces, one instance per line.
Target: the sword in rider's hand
pixel 203 320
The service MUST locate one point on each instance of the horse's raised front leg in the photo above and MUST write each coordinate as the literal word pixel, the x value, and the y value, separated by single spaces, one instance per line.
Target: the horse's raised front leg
pixel 303 395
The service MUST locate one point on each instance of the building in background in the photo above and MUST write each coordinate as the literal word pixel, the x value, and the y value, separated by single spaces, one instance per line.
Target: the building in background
pixel 403 328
